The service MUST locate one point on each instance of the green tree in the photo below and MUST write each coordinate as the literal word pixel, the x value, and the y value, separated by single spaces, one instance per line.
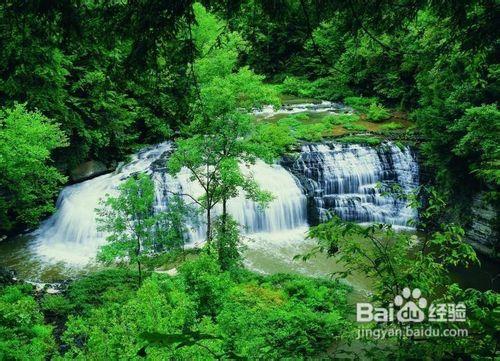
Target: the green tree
pixel 171 228
pixel 217 140
pixel 134 229
pixel 89 67
pixel 130 222
pixel 29 181
pixel 394 260
pixel 480 129
pixel 227 242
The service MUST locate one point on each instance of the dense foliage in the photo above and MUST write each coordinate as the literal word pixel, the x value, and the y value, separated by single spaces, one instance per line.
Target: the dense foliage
pixel 202 313
pixel 395 260
pixel 94 80
pixel 113 77
pixel 437 60
pixel 29 179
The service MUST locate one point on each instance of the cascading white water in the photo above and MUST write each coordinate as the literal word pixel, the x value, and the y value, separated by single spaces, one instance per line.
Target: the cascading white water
pixel 325 106
pixel 70 235
pixel 285 212
pixel 343 178
pixel 340 177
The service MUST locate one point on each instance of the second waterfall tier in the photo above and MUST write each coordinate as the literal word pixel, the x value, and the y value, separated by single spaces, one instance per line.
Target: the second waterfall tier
pixel 348 180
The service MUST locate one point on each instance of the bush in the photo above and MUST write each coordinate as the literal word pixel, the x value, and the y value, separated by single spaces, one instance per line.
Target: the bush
pixel 113 285
pixel 311 132
pixel 236 315
pixel 359 103
pixel 276 138
pixel 289 122
pixel 340 119
pixel 327 88
pixel 377 113
pixel 56 304
pixel 297 86
pixel 23 334
pixel 477 134
pixel 301 117
pixel 330 88
pixel 391 126
pixel 354 127
pixel 356 139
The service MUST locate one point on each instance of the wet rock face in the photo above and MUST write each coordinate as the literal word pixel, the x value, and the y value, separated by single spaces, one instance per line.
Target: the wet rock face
pixel 88 170
pixel 483 232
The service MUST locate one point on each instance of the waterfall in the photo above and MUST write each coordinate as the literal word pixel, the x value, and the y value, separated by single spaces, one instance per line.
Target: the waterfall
pixel 343 178
pixel 323 177
pixel 286 211
pixel 70 235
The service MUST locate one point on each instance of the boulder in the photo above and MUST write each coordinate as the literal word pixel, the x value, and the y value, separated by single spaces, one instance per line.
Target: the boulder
pixel 7 277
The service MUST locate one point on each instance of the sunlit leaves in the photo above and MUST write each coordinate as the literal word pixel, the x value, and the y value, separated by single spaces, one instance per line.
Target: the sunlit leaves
pixel 29 181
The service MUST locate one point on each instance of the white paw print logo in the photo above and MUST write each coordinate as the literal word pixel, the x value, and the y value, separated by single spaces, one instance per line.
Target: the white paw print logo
pixel 412 304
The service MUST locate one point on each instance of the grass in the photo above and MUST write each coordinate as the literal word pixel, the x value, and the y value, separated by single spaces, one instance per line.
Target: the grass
pixel 391 126
pixel 360 103
pixel 314 126
pixel 377 113
pixel 355 127
pixel 360 139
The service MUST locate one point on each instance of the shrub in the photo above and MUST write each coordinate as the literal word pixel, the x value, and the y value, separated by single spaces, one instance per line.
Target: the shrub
pixel 56 304
pixel 112 285
pixel 330 88
pixel 327 88
pixel 311 132
pixel 275 137
pixel 354 127
pixel 377 113
pixel 391 126
pixel 23 334
pixel 289 122
pixel 340 119
pixel 357 139
pixel 297 86
pixel 359 103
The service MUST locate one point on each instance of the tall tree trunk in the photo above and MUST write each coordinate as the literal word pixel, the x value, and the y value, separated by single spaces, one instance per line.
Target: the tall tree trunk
pixel 220 246
pixel 224 214
pixel 140 272
pixel 137 254
pixel 209 225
